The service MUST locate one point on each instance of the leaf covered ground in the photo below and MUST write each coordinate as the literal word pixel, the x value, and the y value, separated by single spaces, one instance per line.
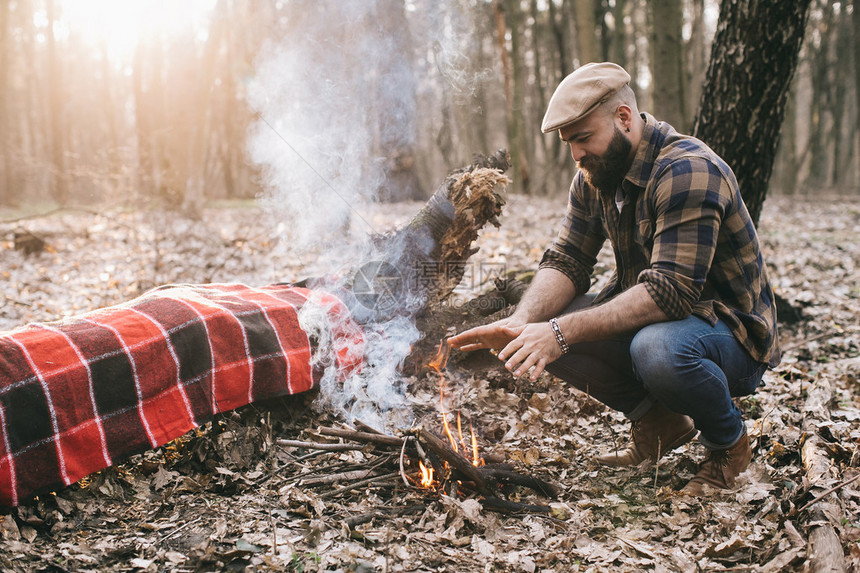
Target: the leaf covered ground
pixel 229 497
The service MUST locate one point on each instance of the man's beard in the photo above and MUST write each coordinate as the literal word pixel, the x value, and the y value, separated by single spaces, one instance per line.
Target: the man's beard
pixel 606 171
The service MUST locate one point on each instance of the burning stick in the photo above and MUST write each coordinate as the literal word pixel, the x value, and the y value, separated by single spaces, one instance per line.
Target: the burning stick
pixel 455 460
pixel 434 455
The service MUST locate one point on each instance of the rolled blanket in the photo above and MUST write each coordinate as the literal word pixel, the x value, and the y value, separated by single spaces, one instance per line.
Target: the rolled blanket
pixel 80 395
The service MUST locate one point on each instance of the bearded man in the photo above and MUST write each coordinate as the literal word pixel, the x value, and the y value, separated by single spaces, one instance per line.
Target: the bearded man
pixel 688 319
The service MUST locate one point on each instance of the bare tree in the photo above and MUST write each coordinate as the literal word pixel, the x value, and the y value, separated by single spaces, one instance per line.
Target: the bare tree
pixel 586 31
pixel 754 55
pixel 667 63
pixel 55 96
pixel 855 15
pixel 6 182
pixel 696 58
pixel 396 109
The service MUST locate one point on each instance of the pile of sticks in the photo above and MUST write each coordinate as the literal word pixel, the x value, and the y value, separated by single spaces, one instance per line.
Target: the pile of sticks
pixel 493 484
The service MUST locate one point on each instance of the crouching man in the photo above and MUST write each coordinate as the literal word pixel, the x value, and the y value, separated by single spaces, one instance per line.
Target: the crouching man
pixel 688 319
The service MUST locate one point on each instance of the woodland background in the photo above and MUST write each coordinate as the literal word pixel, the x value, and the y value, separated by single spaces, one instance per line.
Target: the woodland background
pixel 145 142
pixel 154 102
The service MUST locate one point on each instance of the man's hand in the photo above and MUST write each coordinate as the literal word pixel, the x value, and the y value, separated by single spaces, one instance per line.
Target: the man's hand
pixel 524 346
pixel 494 335
pixel 534 348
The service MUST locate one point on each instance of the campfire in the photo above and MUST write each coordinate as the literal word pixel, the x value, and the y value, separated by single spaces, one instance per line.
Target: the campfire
pixel 446 461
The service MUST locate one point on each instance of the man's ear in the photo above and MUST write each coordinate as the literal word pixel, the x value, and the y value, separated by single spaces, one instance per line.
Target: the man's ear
pixel 624 113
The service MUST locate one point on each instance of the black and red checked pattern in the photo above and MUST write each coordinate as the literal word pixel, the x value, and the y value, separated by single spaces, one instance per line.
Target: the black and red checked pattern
pixel 81 395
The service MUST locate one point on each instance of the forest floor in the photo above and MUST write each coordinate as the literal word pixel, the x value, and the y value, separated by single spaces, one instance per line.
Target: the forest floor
pixel 231 498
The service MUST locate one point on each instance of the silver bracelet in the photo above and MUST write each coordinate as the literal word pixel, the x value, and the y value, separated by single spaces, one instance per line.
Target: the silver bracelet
pixel 559 337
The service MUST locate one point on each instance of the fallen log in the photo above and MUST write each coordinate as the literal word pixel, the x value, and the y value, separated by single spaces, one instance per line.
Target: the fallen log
pixel 824 552
pixel 419 265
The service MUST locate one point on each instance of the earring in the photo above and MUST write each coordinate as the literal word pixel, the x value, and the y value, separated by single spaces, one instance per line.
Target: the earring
pixel 628 129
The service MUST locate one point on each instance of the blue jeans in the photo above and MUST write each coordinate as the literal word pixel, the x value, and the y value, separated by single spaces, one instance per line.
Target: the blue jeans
pixel 688 365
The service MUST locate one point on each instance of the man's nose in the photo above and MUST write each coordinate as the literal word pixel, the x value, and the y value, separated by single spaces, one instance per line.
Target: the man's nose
pixel 576 152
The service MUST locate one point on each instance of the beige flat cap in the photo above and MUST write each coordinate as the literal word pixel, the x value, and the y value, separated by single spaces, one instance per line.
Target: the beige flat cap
pixel 581 92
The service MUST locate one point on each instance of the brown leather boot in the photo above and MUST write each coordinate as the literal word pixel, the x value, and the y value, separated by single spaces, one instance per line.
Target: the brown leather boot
pixel 721 467
pixel 659 431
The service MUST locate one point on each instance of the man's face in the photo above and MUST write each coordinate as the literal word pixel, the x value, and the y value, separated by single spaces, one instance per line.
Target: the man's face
pixel 600 150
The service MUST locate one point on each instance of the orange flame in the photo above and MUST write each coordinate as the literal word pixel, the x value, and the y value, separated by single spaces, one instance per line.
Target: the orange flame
pixel 426 475
pixel 476 459
pixel 458 442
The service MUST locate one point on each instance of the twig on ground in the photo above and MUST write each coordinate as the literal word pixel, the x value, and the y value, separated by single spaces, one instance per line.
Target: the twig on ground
pixel 376 438
pixel 402 471
pixel 177 530
pixel 828 334
pixel 334 478
pixel 822 495
pixel 360 483
pixel 319 445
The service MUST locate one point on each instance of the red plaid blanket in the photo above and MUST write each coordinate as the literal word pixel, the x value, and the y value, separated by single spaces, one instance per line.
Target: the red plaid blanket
pixel 81 395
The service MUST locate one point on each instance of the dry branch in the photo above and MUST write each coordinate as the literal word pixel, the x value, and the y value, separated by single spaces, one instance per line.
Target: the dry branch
pixel 457 462
pixel 334 478
pixel 433 451
pixel 365 437
pixel 319 446
pixel 352 486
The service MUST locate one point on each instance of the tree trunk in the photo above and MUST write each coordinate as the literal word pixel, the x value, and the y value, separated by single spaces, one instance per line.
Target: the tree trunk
pixel 557 158
pixel 396 106
pixel 540 92
pixel 143 126
pixel 5 147
pixel 500 7
pixel 753 59
pixel 195 190
pixel 55 98
pixel 586 31
pixel 696 59
pixel 855 17
pixel 517 140
pixel 414 269
pixel 667 63
pixel 845 132
pixel 618 53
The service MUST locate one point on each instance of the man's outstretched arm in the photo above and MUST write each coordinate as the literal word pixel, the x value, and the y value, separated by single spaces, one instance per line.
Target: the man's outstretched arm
pixel 548 294
pixel 535 345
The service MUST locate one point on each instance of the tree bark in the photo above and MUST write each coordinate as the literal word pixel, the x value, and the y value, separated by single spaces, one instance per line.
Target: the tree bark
pixel 753 59
pixel 618 53
pixel 696 60
pixel 396 107
pixel 540 91
pixel 5 148
pixel 420 264
pixel 518 143
pixel 586 31
pixel 194 196
pixel 55 98
pixel 855 17
pixel 502 23
pixel 667 63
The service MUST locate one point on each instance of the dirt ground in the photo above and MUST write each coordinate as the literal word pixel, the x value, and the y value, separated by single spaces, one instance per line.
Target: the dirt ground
pixel 229 497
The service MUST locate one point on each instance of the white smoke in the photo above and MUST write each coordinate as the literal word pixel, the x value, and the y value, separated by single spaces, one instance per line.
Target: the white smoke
pixel 319 141
pixel 374 392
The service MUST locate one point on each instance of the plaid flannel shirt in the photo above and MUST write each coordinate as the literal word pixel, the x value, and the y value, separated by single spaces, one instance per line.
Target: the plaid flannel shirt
pixel 683 231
